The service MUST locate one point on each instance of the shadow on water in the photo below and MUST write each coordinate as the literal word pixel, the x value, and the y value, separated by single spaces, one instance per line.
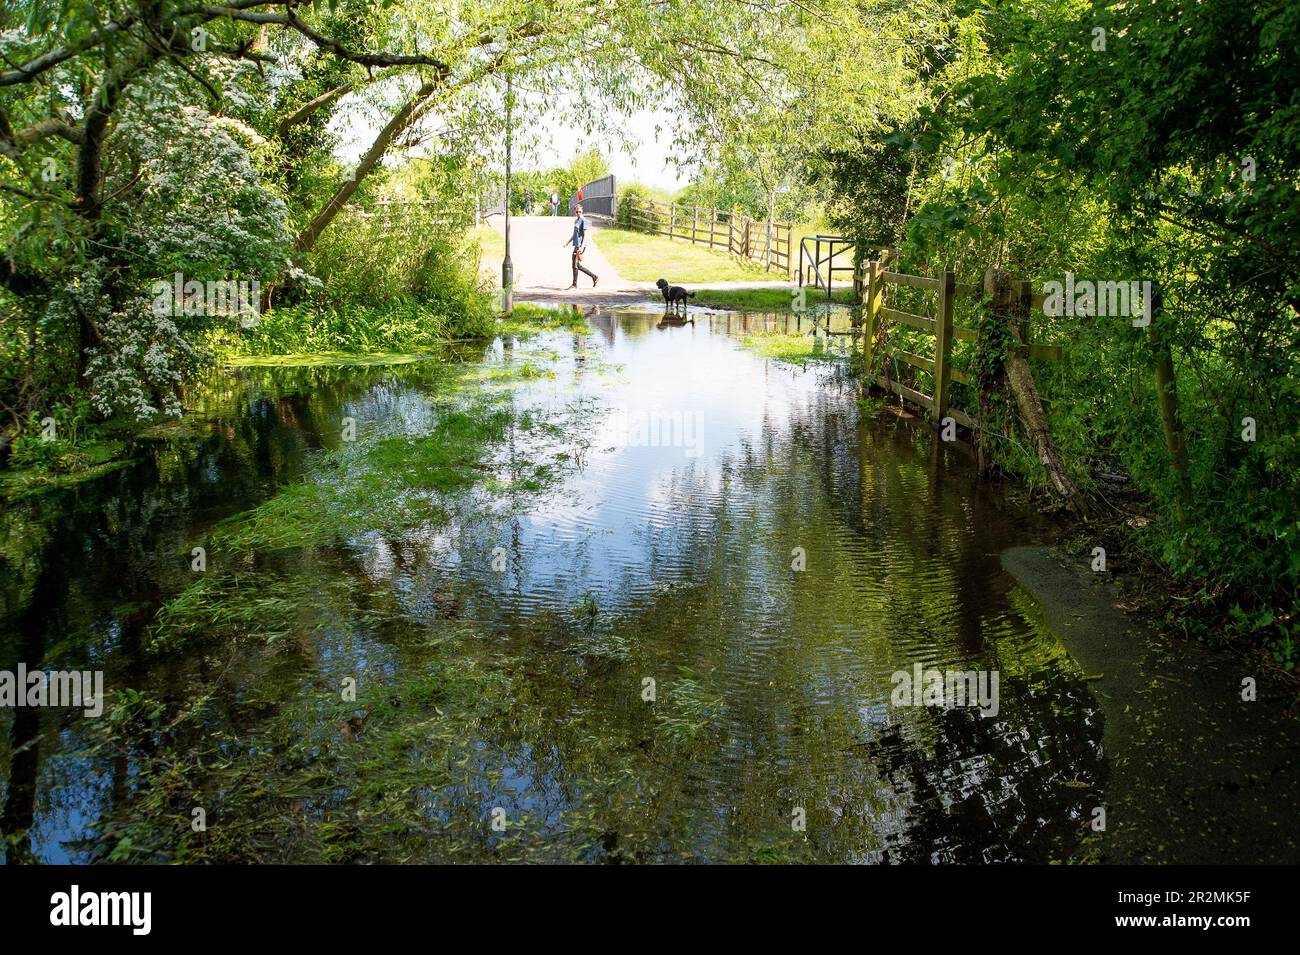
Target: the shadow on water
pixel 633 529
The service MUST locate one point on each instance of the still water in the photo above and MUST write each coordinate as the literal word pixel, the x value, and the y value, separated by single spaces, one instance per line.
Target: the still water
pixel 658 622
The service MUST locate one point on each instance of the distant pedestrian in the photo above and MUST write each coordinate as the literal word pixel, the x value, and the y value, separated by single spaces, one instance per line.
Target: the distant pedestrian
pixel 528 202
pixel 579 240
pixel 555 203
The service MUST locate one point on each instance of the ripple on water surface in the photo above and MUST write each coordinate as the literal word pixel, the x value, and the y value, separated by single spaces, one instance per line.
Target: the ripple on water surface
pixel 738 531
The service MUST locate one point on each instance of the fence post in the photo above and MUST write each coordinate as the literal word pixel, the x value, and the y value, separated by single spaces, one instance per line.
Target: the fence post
pixel 672 220
pixel 1024 292
pixel 875 300
pixel 1170 420
pixel 943 346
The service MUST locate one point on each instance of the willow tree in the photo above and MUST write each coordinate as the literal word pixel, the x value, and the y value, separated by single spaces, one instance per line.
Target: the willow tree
pixel 140 138
pixel 849 73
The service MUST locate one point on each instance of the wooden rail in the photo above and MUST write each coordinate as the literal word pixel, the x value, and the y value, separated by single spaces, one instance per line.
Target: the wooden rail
pixel 393 216
pixel 875 281
pixel 738 234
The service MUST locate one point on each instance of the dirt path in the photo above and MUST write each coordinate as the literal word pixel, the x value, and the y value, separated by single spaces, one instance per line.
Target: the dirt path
pixel 1197 775
pixel 543 273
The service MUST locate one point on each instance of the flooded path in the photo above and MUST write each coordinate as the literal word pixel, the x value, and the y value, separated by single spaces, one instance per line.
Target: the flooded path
pixel 633 593
pixel 543 273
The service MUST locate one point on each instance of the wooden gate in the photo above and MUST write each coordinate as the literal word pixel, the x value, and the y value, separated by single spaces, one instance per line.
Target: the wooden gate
pixel 876 281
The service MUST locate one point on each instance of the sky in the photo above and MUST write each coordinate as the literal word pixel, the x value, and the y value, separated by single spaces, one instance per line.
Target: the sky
pixel 549 137
pixel 648 162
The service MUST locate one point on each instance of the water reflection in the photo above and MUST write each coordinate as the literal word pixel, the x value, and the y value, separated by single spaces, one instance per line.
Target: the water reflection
pixel 664 555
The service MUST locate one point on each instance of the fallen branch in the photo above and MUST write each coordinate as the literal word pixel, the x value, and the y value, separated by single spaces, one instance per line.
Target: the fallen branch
pixel 997 283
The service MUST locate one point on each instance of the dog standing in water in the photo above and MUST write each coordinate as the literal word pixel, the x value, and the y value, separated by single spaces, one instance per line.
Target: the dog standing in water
pixel 674 295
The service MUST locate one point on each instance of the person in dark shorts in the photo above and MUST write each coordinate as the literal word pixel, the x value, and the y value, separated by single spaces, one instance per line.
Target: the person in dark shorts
pixel 579 242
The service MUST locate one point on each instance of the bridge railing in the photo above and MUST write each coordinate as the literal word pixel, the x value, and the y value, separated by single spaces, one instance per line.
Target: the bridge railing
pixel 599 198
pixel 733 232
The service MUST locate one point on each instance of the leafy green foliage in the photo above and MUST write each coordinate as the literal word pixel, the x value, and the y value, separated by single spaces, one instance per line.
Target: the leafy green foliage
pixel 1153 142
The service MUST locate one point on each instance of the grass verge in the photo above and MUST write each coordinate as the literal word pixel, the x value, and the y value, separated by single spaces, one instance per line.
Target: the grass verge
pixel 780 300
pixel 639 257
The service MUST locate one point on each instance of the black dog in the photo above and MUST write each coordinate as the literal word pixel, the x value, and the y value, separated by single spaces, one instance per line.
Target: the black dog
pixel 674 294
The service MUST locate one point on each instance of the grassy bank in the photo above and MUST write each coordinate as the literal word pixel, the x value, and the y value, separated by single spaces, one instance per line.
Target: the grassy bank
pixel 644 258
pixel 491 246
pixel 399 325
pixel 779 300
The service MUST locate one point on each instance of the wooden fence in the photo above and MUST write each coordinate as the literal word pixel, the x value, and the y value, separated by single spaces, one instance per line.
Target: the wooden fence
pixel 735 233
pixel 398 216
pixel 877 279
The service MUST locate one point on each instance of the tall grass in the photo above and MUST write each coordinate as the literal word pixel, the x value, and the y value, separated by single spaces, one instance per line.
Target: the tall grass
pixel 397 325
pixel 386 285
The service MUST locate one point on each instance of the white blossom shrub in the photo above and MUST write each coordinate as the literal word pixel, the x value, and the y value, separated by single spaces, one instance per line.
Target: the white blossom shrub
pixel 204 209
pixel 201 209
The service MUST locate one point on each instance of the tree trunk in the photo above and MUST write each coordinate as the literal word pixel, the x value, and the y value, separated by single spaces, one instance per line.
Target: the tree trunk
pixel 1031 410
pixel 1170 420
pixel 402 119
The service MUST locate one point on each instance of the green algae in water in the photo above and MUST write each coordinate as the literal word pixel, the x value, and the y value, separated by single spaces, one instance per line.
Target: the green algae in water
pixel 527 319
pixel 799 349
pixel 461 705
pixel 334 359
pixel 87 462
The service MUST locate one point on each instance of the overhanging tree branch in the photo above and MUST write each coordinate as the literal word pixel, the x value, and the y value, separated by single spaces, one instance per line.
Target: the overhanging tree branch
pixel 12 142
pixel 365 59
pixel 409 112
pixel 187 18
pixel 26 72
pixel 311 106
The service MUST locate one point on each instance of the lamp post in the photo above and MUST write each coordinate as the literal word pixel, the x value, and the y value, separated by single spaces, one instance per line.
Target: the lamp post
pixel 507 267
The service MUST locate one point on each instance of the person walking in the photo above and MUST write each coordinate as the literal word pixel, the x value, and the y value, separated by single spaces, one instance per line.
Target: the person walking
pixel 579 241
pixel 555 203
